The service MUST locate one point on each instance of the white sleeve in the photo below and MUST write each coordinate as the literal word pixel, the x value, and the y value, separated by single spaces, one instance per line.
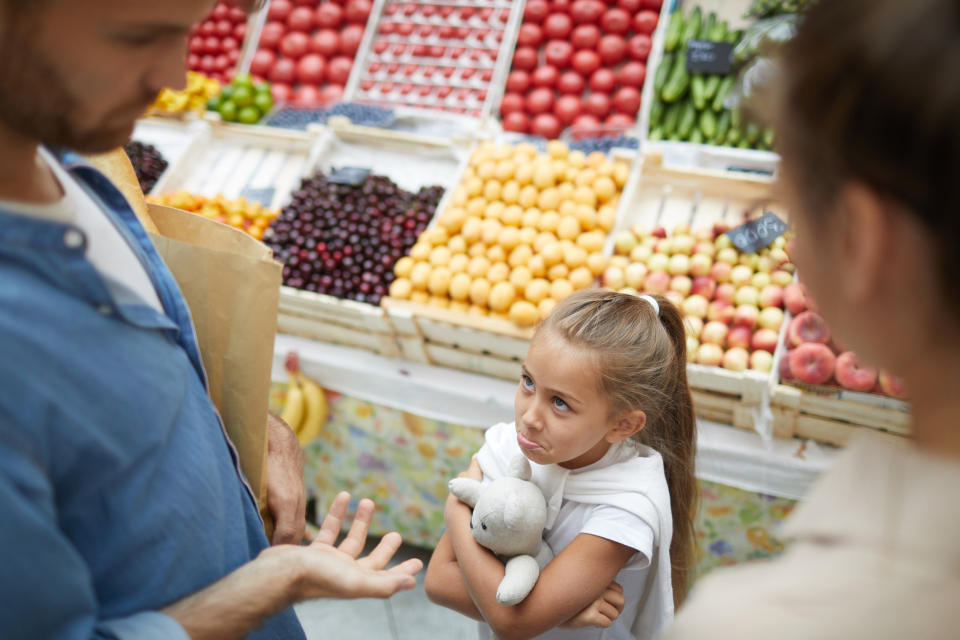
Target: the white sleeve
pixel 625 528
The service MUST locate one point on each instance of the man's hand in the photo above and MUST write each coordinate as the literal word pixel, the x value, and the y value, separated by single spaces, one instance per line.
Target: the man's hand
pixel 286 497
pixel 336 571
pixel 601 612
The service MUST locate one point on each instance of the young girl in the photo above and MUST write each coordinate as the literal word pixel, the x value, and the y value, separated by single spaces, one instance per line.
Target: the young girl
pixel 603 413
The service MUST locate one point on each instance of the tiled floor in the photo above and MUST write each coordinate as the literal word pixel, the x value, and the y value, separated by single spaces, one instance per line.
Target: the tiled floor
pixel 406 616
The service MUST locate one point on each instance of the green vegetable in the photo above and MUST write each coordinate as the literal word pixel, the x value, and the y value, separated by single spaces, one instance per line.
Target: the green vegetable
pixel 723 126
pixel 733 37
pixel 713 83
pixel 688 120
pixel 736 118
pixel 656 111
pixel 753 132
pixel 696 137
pixel 656 135
pixel 707 26
pixel 678 82
pixel 768 137
pixel 743 144
pixel 733 137
pixel 698 91
pixel 663 71
pixel 671 118
pixel 674 138
pixel 692 27
pixel 721 93
pixel 674 31
pixel 708 124
pixel 718 33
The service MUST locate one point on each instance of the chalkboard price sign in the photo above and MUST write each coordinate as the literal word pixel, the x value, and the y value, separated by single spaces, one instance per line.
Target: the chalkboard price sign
pixel 708 57
pixel 758 234
pixel 353 176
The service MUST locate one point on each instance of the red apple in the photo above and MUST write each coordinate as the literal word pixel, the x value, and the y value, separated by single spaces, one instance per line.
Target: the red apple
pixel 328 16
pixel 638 47
pixel 326 42
pixel 714 332
pixel 294 45
pixel 657 282
pixel 300 19
pixel 852 374
pixel 597 104
pixel 615 21
pixel 310 69
pixel 545 76
pixel 771 296
pixel 281 92
pixel 761 361
pixel 338 70
pixel 350 38
pixel 262 61
pixel 612 49
pixel 709 354
pixel 627 100
pixel 586 62
pixel 357 11
pixel 525 58
pixel 603 81
pixel 331 93
pixel 795 298
pixel 585 36
pixel 725 292
pixel 892 385
pixel 586 11
pixel 645 22
pixel 632 74
pixel 703 285
pixel 557 26
pixel 695 305
pixel 518 81
pixel 511 103
pixel 570 82
pixel 278 10
pixel 771 318
pixel 516 121
pixel 812 363
pixel 765 340
pixel 567 108
pixel 746 315
pixel 630 6
pixel 560 6
pixel 284 71
pixel 736 359
pixel 720 271
pixel 538 101
pixel 586 121
pixel 546 125
pixel 808 327
pixel 618 121
pixel 529 35
pixel 739 336
pixel 558 53
pixel 535 11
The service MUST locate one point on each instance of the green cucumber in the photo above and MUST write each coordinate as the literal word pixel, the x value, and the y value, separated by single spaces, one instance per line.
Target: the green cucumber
pixel 663 71
pixel 710 90
pixel 743 144
pixel 688 120
pixel 698 91
pixel 733 37
pixel 708 124
pixel 733 137
pixel 723 126
pixel 674 31
pixel 656 135
pixel 752 132
pixel 671 117
pixel 692 28
pixel 696 137
pixel 707 27
pixel 736 118
pixel 768 137
pixel 678 82
pixel 656 111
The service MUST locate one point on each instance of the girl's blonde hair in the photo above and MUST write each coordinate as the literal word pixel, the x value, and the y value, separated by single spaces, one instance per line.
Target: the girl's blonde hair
pixel 641 360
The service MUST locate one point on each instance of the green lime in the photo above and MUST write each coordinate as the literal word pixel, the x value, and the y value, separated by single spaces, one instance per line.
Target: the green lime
pixel 213 104
pixel 226 93
pixel 243 96
pixel 263 101
pixel 243 80
pixel 263 87
pixel 249 115
pixel 228 111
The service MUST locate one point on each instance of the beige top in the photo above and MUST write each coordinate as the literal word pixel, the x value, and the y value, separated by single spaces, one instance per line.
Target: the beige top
pixel 876 555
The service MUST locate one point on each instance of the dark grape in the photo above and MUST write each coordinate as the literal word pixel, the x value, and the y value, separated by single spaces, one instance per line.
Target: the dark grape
pixel 148 163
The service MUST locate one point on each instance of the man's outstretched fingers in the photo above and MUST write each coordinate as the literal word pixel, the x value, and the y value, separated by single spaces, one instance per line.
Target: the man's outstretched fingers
pixel 357 537
pixel 383 552
pixel 330 529
pixel 408 567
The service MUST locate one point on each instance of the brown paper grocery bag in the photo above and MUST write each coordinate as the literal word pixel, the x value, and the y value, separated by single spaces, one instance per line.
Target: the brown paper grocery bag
pixel 232 285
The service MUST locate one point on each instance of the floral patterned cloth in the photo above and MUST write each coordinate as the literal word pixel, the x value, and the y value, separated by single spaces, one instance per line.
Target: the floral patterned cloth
pixel 403 461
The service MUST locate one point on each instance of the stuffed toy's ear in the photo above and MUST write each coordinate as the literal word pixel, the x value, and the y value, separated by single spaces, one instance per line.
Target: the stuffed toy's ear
pixel 466 490
pixel 514 511
pixel 519 468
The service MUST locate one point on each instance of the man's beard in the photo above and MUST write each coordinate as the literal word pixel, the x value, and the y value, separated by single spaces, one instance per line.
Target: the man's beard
pixel 36 103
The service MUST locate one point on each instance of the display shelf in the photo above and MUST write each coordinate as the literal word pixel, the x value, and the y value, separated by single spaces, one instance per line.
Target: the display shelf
pixel 411 164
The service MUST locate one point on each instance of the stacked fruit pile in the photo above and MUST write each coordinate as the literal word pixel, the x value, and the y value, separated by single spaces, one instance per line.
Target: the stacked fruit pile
pixel 243 100
pixel 732 301
pixel 815 358
pixel 306 48
pixel 194 97
pixel 521 232
pixel 216 43
pixel 565 47
pixel 148 163
pixel 691 107
pixel 343 240
pixel 240 213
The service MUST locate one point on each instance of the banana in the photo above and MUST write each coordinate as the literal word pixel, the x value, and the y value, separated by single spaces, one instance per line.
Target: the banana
pixel 293 405
pixel 316 415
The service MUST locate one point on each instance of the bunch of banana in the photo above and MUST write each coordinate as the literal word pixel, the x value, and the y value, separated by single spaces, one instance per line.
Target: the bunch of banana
pixel 194 98
pixel 305 405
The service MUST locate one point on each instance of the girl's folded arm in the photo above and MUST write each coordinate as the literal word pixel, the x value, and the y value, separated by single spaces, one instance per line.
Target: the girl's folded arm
pixel 570 582
pixel 444 584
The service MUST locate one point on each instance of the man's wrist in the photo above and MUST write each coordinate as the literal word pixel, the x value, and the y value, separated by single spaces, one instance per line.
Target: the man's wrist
pixel 286 568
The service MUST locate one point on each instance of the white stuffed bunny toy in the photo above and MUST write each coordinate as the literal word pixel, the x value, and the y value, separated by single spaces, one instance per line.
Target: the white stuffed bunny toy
pixel 508 518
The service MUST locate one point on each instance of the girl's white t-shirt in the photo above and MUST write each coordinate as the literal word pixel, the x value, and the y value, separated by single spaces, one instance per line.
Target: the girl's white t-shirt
pixel 107 250
pixel 613 524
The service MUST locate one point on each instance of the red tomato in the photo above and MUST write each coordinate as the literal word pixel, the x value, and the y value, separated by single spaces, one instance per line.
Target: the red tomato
pixel 612 49
pixel 197 45
pixel 632 74
pixel 310 3
pixel 300 19
pixel 630 6
pixel 350 39
pixel 357 11
pixel 525 58
pixel 331 93
pixel 615 21
pixel 597 104
pixel 585 36
pixel 561 6
pixel 208 64
pixel 338 70
pixel 294 44
pixel 221 63
pixel 570 82
pixel 535 11
pixel 639 47
pixel 557 26
pixel 240 31
pixel 645 22
pixel 603 81
pixel 518 81
pixel 539 101
pixel 558 53
pixel 271 34
pixel 306 96
pixel 310 69
pixel 627 100
pixel 211 45
pixel 278 10
pixel 653 5
pixel 208 29
pixel 220 12
pixel 262 62
pixel 405 28
pixel 516 121
pixel 586 121
pixel 546 125
pixel 567 108
pixel 545 76
pixel 193 61
pixel 326 42
pixel 284 71
pixel 229 44
pixel 530 35
pixel 238 15
pixel 586 11
pixel 224 28
pixel 586 62
pixel 329 16
pixel 511 103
